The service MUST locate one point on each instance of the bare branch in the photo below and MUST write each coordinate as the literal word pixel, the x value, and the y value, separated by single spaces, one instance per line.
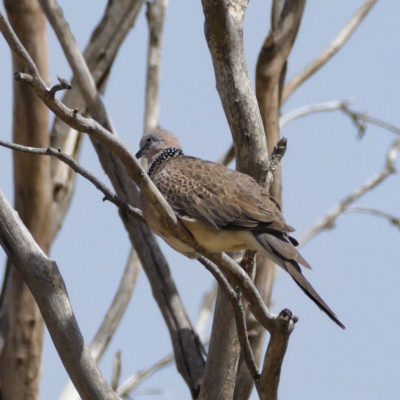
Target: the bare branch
pixel 270 73
pixel 224 35
pixel 155 19
pixel 118 157
pixel 65 158
pixel 63 85
pixel 116 371
pixel 359 119
pixel 206 310
pixel 117 20
pixel 112 318
pixel 75 58
pixel 228 157
pixel 117 308
pixel 96 130
pixel 235 300
pixel 189 360
pixel 135 379
pixel 136 172
pixel 392 219
pixel 22 326
pixel 276 11
pixel 330 51
pixel 47 286
pixel 271 371
pixel 328 220
pixel 204 314
pixel 311 109
pixel 270 76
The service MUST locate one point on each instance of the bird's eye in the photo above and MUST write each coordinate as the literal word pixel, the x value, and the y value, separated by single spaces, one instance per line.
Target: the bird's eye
pixel 149 140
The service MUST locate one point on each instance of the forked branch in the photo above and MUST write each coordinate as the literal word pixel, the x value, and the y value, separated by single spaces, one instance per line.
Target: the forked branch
pixel 328 220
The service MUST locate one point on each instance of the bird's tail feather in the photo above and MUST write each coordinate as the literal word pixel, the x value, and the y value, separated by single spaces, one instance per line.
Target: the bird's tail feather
pixel 280 250
pixel 295 272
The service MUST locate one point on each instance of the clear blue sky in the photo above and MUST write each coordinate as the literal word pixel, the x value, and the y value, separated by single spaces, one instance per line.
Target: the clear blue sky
pixel 356 265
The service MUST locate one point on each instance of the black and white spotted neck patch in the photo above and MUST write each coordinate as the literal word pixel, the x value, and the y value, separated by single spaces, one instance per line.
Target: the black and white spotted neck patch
pixel 166 155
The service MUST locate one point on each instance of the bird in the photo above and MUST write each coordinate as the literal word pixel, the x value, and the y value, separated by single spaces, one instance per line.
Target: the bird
pixel 225 210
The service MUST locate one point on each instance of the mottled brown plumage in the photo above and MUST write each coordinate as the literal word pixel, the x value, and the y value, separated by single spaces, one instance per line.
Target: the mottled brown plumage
pixel 224 210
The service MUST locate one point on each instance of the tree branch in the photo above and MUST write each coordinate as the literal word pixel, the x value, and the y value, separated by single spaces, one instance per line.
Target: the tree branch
pixel 359 119
pixel 130 383
pixel 330 50
pixel 224 35
pixel 22 325
pixel 106 39
pixel 270 75
pixel 235 300
pixel 270 71
pixel 155 19
pixel 111 320
pixel 204 313
pixel 328 220
pixel 392 219
pixel 122 166
pixel 68 160
pixel 136 172
pixel 271 371
pixel 116 371
pixel 47 286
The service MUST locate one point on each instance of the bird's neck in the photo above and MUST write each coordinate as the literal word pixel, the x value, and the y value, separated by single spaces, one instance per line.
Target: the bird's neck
pixel 164 156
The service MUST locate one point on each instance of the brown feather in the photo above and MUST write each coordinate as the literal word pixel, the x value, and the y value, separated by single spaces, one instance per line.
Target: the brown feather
pixel 217 196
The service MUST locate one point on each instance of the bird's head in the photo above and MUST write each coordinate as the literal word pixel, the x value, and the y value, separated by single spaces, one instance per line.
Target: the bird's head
pixel 155 142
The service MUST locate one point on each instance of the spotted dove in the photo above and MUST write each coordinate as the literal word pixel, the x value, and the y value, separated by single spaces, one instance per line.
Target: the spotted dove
pixel 224 209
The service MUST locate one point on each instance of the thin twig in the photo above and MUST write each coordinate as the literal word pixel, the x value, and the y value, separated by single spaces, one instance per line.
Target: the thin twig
pixel 328 220
pixel 311 109
pixel 71 50
pixel 106 39
pixel 235 300
pixel 206 310
pixel 117 307
pixel 134 380
pixel 65 158
pixel 116 371
pixel 359 119
pixel 337 43
pixel 228 157
pixel 63 85
pixel 392 219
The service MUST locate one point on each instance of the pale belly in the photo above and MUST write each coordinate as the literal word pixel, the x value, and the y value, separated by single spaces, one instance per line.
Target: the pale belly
pixel 219 240
pixel 215 240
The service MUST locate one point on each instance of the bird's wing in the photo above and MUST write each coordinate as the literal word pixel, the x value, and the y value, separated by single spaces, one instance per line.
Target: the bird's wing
pixel 217 196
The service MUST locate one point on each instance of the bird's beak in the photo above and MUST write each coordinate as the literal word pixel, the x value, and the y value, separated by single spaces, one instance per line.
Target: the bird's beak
pixel 140 153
